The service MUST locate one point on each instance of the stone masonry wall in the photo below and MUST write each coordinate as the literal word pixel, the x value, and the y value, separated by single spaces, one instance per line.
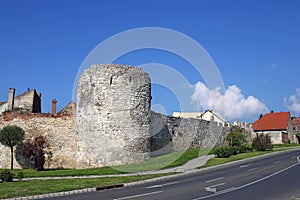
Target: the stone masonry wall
pixel 112 116
pixel 59 131
pixel 170 134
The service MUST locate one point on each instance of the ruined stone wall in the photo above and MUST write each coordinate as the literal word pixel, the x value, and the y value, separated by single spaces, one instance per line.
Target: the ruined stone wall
pixel 112 116
pixel 30 101
pixel 3 107
pixel 59 131
pixel 170 134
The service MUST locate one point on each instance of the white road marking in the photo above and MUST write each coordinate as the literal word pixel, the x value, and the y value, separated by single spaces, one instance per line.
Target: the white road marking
pixel 159 186
pixel 252 169
pixel 248 184
pixel 216 179
pixel 298 158
pixel 276 162
pixel 242 166
pixel 138 195
pixel 213 187
pixel 226 190
pixel 208 189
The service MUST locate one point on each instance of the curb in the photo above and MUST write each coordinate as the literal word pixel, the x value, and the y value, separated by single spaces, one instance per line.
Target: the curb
pixel 58 194
pixel 109 187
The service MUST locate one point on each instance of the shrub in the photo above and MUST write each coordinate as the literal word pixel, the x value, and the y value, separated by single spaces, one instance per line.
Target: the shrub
pixel 6 176
pixel 245 148
pixel 35 151
pixel 20 176
pixel 224 151
pixel 236 139
pixel 262 142
pixel 227 151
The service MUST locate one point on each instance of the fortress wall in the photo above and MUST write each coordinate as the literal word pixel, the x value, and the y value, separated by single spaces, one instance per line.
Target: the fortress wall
pixel 59 131
pixel 170 134
pixel 112 116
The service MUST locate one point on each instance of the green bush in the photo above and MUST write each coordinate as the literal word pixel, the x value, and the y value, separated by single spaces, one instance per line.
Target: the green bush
pixel 236 139
pixel 227 151
pixel 20 176
pixel 6 176
pixel 245 148
pixel 224 151
pixel 262 142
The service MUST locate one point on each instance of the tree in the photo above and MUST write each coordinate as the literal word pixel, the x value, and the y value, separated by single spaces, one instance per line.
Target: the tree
pixel 10 136
pixel 35 151
pixel 236 137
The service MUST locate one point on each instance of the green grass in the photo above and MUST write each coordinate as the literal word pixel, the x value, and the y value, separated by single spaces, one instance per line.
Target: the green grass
pixel 218 161
pixel 161 162
pixel 285 145
pixel 29 173
pixel 184 158
pixel 36 187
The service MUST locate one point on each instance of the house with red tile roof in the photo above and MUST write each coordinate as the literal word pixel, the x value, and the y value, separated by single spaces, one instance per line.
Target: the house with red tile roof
pixel 276 124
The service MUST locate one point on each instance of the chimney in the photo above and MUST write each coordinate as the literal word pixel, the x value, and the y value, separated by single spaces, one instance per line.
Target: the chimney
pixel 54 106
pixel 11 99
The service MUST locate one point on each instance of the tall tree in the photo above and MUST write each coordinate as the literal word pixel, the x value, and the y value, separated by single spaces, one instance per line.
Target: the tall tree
pixel 10 136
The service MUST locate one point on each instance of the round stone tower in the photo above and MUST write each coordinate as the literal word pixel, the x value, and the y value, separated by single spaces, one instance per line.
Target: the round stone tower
pixel 113 115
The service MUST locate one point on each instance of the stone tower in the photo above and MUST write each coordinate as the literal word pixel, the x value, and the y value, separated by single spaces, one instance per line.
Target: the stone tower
pixel 113 116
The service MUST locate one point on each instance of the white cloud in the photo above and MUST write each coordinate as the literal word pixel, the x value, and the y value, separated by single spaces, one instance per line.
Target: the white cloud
pixel 237 106
pixel 293 102
pixel 201 96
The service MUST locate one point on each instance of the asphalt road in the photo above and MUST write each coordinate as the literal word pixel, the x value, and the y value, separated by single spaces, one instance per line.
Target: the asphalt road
pixel 275 176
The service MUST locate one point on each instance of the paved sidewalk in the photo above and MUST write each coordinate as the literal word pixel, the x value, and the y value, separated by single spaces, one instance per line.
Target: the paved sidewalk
pixel 191 165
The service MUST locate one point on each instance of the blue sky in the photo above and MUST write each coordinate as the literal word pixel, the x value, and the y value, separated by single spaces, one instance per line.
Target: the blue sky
pixel 255 44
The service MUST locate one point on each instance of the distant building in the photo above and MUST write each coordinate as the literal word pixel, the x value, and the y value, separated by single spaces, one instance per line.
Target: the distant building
pixel 243 125
pixel 195 115
pixel 69 109
pixel 207 115
pixel 276 124
pixel 29 101
pixel 296 125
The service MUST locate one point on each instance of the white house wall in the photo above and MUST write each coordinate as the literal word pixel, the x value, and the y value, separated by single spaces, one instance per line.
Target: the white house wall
pixel 276 136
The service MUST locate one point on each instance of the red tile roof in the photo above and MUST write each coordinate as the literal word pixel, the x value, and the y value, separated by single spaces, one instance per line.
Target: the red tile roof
pixel 2 103
pixel 272 121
